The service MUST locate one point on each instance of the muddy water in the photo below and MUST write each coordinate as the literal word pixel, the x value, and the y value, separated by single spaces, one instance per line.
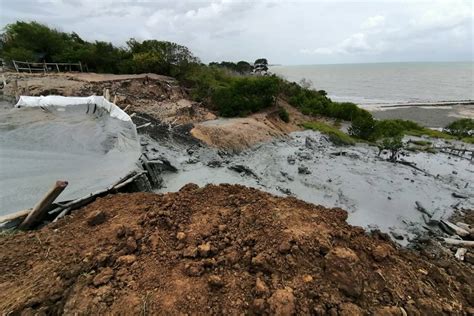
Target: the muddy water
pixel 376 193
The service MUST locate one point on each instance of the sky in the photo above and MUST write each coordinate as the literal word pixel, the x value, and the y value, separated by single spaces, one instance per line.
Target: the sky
pixel 285 32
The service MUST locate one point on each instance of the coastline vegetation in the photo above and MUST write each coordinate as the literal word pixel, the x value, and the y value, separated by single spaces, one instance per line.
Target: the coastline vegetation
pixel 231 89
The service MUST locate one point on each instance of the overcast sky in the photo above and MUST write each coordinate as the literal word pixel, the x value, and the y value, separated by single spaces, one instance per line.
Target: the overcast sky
pixel 285 32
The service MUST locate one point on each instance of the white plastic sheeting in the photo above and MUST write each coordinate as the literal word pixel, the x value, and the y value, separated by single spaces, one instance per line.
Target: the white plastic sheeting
pixel 89 142
pixel 56 100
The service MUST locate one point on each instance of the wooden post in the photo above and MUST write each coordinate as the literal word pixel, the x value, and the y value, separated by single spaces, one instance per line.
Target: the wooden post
pixel 57 67
pixel 80 66
pixel 16 66
pixel 28 66
pixel 40 209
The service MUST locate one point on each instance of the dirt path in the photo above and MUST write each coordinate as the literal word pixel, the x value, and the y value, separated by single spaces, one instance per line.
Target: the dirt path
pixel 221 250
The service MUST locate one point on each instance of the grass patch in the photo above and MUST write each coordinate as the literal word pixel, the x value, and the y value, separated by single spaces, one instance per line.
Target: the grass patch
pixel 335 135
pixel 430 133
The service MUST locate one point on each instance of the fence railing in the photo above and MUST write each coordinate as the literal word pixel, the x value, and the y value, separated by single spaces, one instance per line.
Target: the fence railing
pixel 45 67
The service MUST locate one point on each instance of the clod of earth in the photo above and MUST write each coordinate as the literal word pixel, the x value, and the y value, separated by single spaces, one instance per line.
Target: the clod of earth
pixel 223 249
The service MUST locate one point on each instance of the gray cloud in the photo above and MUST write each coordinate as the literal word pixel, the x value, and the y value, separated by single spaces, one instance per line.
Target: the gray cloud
pixel 288 32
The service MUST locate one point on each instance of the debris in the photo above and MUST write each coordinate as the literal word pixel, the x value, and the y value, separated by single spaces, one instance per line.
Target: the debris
pixel 460 253
pixel 41 208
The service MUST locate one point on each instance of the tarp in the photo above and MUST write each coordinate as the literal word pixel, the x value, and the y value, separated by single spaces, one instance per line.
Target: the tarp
pixel 87 141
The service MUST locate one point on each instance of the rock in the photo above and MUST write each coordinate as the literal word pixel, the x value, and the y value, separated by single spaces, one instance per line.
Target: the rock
pixel 291 159
pixel 284 247
pixel 96 218
pixel 381 252
pixel 469 257
pixel 303 170
pixel 131 245
pixel 194 269
pixel 397 235
pixel 310 143
pixel 204 250
pixel 180 236
pixel 304 155
pixel 260 262
pixel 214 164
pixel 282 302
pixel 215 281
pixel 258 305
pixel 189 187
pixel 350 309
pixel 307 278
pixel 388 311
pixel 260 287
pixel 127 259
pixel 346 254
pixel 190 252
pixel 103 277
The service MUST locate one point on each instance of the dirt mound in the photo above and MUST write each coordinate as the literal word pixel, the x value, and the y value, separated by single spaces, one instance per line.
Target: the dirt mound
pixel 220 250
pixel 159 96
pixel 237 134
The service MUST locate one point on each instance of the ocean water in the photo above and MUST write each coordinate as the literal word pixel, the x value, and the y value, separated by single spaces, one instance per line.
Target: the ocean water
pixel 388 83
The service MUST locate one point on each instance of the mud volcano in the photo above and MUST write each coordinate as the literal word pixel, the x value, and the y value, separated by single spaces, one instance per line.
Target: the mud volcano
pixel 89 142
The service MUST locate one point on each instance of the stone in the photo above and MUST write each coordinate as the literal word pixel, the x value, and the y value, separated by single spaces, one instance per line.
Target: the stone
pixel 350 309
pixel 381 252
pixel 96 218
pixel 282 302
pixel 127 259
pixel 215 281
pixel 388 311
pixel 204 250
pixel 303 170
pixel 190 252
pixel 260 287
pixel 180 236
pixel 103 277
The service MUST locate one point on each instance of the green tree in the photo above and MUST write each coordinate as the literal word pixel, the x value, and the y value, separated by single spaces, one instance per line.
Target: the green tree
pixel 260 66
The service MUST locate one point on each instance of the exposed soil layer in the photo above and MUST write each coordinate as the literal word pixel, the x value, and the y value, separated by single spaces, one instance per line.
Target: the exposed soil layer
pixel 221 250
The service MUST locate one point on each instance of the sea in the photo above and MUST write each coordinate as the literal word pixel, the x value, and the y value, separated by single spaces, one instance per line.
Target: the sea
pixel 389 84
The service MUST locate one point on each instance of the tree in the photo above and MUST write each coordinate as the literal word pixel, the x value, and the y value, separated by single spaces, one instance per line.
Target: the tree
pixel 165 57
pixel 244 67
pixel 260 66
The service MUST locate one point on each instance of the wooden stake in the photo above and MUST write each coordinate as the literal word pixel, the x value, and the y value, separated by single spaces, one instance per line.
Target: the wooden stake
pixel 39 210
pixel 457 242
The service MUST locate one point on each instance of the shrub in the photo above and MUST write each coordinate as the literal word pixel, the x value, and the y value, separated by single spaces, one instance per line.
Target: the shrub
pixel 284 115
pixel 393 144
pixel 461 128
pixel 363 126
pixel 245 95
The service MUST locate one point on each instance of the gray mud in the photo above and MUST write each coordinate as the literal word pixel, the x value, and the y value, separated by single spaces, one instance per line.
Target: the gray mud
pixel 428 116
pixel 88 148
pixel 376 193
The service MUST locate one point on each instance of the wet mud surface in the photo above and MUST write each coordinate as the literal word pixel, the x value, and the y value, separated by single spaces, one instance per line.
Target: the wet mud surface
pixel 377 194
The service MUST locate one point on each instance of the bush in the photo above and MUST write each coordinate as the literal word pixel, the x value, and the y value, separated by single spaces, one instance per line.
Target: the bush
pixel 461 128
pixel 363 127
pixel 393 144
pixel 284 115
pixel 246 95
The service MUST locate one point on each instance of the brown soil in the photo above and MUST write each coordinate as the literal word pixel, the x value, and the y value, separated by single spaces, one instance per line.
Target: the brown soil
pixel 158 96
pixel 236 134
pixel 220 250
